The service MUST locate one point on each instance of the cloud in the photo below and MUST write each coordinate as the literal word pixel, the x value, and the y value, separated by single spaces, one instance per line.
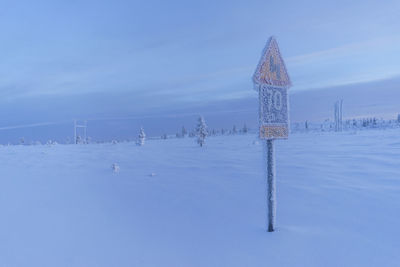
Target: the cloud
pixel 369 60
pixel 374 45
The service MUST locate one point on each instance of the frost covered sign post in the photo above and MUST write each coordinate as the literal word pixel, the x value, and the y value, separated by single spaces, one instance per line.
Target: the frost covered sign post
pixel 272 82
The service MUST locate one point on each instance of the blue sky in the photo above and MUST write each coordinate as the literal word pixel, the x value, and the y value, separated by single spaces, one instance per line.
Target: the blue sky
pixel 161 55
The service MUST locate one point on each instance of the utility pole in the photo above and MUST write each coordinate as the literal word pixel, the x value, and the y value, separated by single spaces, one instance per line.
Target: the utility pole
pixel 83 125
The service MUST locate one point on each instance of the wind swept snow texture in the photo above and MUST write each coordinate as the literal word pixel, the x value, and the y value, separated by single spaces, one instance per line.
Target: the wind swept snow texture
pixel 338 203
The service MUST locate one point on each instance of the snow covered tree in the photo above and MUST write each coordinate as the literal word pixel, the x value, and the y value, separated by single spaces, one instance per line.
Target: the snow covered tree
pixel 184 132
pixel 201 131
pixel 141 137
pixel 234 131
pixel 245 129
pixel 398 118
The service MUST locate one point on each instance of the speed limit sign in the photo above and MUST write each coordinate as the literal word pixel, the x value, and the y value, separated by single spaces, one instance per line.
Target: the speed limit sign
pixel 272 82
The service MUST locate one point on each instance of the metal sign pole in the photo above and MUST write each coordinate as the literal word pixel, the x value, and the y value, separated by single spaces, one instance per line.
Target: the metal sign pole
pixel 271 185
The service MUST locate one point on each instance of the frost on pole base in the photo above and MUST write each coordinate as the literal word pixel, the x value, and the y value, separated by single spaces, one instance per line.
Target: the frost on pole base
pixel 271 194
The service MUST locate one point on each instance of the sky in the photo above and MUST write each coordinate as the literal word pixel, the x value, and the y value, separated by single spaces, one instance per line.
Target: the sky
pixel 65 60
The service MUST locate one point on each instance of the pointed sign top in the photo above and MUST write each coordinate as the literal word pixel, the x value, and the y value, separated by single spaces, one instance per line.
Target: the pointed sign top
pixel 271 69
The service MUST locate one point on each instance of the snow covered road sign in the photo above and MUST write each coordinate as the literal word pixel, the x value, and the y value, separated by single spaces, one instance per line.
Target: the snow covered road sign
pixel 272 82
pixel 271 69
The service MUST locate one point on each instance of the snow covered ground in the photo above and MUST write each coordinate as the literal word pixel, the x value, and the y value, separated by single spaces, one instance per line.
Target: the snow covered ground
pixel 175 204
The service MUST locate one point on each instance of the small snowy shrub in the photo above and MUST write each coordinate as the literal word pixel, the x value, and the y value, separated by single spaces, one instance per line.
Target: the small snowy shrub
pixel 115 167
pixel 50 143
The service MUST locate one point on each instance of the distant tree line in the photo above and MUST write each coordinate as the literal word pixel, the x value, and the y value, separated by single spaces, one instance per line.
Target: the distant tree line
pixel 349 124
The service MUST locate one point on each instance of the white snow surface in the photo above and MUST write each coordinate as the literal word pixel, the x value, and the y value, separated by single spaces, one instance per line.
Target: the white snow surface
pixel 338 203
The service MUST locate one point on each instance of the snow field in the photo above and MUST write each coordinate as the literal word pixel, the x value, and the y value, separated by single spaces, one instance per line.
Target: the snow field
pixel 173 203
